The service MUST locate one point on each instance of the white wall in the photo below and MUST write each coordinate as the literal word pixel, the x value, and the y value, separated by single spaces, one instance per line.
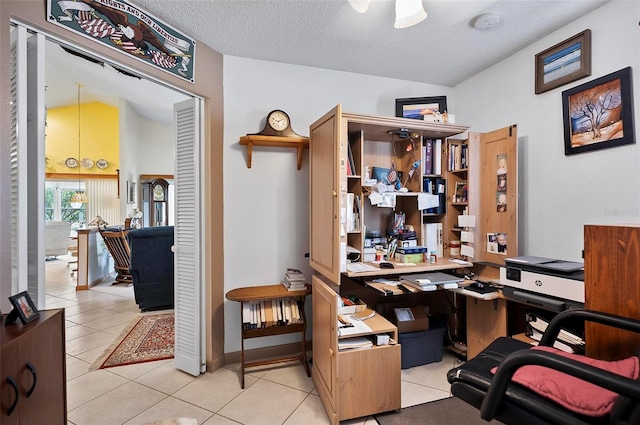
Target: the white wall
pixel 266 209
pixel 146 147
pixel 156 147
pixel 562 193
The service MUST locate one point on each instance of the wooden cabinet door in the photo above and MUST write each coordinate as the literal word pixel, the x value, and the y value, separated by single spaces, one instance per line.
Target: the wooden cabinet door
pixel 41 368
pixel 612 285
pixel 9 370
pixel 325 345
pixel 325 191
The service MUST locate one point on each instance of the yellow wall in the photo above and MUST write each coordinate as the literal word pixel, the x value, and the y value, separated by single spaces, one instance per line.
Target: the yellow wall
pixel 99 138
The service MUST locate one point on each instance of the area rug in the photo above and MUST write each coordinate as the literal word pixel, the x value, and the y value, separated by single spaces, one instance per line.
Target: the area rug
pixel 145 339
pixel 448 411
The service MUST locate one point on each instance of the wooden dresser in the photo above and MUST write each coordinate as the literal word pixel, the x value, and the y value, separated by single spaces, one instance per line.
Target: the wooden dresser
pixel 33 387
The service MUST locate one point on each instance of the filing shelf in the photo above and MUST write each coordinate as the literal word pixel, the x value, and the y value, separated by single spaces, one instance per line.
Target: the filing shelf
pixel 268 293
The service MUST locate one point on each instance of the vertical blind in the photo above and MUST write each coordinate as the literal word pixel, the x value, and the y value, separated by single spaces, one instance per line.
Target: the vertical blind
pixel 103 200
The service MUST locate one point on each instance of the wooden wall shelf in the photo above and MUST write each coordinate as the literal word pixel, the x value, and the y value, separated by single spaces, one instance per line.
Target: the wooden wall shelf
pixel 250 141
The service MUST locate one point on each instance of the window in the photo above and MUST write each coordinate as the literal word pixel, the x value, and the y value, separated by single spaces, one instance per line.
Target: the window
pixel 57 205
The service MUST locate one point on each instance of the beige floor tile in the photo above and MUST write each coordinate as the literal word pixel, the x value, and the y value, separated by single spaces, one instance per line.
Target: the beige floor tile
pixel 166 378
pixel 88 316
pixel 55 302
pixel 432 375
pixel 133 371
pixel 85 388
pixel 110 321
pixel 310 412
pixel 88 342
pixel 256 404
pixel 212 391
pixel 413 394
pixel 76 331
pixel 292 375
pixel 220 420
pixel 116 330
pixel 78 308
pixel 91 356
pixel 170 408
pixel 116 406
pixel 76 367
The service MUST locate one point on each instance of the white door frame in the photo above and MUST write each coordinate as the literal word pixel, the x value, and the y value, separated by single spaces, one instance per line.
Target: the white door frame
pixel 199 147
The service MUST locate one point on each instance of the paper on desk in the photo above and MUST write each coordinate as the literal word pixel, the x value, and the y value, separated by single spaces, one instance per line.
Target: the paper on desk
pixel 360 267
pixel 358 327
pixel 427 200
pixel 466 236
pixel 467 220
pixel 466 250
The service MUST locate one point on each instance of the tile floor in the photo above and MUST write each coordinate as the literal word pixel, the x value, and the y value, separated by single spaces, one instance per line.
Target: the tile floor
pixel 137 394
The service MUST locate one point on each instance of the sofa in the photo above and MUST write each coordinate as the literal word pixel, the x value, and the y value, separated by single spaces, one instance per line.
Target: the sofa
pixel 152 267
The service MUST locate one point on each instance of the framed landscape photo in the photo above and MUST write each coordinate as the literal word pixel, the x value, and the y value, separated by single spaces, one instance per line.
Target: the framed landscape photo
pixel 599 114
pixel 421 108
pixel 24 306
pixel 563 63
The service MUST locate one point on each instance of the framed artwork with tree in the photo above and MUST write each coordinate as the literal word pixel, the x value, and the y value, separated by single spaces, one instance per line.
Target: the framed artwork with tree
pixel 599 114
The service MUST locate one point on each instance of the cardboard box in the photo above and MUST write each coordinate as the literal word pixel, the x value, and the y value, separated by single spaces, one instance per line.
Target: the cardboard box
pixel 411 319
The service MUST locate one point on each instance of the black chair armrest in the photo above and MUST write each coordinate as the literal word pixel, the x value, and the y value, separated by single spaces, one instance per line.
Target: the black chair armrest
pixel 496 392
pixel 555 325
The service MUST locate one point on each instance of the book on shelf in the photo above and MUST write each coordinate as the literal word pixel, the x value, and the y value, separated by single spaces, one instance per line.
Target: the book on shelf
pixel 436 186
pixel 437 156
pixel 351 165
pixel 458 157
pixel 427 154
pixel 433 238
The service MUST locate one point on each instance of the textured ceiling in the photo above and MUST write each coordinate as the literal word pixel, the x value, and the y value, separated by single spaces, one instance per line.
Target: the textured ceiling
pixel 443 49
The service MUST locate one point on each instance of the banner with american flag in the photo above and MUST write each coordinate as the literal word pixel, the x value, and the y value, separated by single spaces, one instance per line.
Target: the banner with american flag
pixel 129 29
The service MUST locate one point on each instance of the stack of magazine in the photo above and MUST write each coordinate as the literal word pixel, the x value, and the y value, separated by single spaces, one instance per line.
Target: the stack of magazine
pixel 294 280
pixel 566 341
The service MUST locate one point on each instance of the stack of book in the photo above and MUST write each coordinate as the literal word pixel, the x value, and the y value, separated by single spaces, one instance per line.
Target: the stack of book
pixel 566 341
pixel 279 312
pixel 410 254
pixel 294 280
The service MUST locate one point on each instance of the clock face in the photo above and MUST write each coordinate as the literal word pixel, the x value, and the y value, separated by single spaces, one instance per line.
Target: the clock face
pixel 158 193
pixel 278 120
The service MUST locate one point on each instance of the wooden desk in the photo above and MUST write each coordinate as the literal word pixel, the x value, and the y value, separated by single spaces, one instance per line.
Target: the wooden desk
pixel 267 293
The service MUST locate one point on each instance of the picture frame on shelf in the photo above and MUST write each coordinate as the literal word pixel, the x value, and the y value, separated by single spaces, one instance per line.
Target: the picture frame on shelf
pixel 23 308
pixel 599 114
pixel 563 63
pixel 461 192
pixel 422 108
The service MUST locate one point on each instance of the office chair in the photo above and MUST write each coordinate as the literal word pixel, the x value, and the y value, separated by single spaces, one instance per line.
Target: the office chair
pixel 508 397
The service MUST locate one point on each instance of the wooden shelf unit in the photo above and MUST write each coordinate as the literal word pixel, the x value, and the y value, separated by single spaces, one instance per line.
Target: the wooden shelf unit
pixel 299 143
pixel 268 293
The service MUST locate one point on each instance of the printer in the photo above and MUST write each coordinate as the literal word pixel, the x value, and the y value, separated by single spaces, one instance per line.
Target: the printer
pixel 544 282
